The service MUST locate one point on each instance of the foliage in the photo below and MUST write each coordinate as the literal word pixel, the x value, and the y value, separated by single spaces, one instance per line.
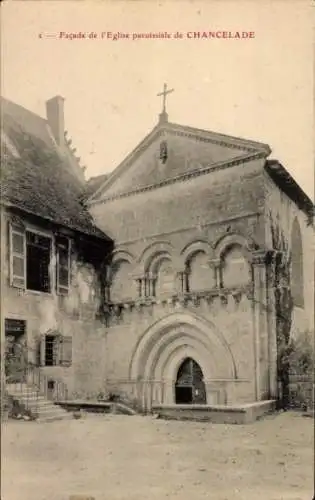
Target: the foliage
pixel 16 359
pixel 301 358
pixel 301 365
pixel 281 279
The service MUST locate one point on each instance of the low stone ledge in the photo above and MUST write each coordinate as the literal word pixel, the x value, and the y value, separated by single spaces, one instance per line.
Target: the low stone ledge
pixel 232 414
pixel 96 406
pixel 88 406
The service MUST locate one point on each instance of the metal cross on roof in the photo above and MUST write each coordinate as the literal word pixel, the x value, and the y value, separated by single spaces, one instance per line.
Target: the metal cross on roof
pixel 164 94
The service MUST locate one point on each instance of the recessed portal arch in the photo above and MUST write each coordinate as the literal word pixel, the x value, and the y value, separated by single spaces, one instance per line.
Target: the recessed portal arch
pixel 165 345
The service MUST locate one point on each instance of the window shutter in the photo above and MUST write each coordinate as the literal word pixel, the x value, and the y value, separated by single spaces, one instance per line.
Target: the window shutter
pixel 65 351
pixel 42 350
pixel 56 350
pixel 17 256
pixel 63 265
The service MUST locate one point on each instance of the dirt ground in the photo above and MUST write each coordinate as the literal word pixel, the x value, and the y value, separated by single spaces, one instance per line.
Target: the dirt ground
pixel 114 457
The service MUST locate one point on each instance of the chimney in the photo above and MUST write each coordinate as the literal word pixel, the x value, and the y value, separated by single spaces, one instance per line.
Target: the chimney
pixel 55 118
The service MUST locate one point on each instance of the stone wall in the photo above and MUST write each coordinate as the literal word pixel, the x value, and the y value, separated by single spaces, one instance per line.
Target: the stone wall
pixel 184 251
pixel 283 211
pixel 218 197
pixel 229 317
pixel 75 315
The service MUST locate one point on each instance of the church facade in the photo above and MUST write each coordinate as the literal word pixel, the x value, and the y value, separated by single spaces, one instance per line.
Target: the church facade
pixel 199 221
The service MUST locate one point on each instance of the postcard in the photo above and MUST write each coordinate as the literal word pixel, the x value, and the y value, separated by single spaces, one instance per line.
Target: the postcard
pixel 157 250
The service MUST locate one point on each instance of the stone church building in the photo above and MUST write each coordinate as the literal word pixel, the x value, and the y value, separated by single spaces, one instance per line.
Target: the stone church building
pixel 190 311
pixel 163 288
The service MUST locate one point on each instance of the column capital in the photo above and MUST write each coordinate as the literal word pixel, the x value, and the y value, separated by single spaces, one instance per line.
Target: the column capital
pixel 138 276
pixel 259 257
pixel 180 270
pixel 214 263
pixel 151 276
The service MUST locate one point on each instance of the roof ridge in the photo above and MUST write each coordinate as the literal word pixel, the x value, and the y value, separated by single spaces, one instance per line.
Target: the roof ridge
pixel 23 107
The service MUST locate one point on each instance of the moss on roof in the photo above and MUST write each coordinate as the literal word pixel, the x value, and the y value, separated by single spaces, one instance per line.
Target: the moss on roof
pixel 40 182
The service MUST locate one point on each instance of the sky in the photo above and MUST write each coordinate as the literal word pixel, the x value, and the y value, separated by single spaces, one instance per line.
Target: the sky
pixel 258 88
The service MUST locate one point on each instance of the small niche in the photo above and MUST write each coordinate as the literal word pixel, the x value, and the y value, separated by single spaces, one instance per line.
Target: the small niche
pixel 163 152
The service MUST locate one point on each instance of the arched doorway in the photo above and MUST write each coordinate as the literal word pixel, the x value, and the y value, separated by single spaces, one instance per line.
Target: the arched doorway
pixel 162 349
pixel 189 385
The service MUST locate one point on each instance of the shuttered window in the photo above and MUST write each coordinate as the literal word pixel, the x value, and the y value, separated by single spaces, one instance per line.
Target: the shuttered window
pixel 38 257
pixel 30 260
pixel 63 265
pixel 17 256
pixel 55 350
pixel 65 351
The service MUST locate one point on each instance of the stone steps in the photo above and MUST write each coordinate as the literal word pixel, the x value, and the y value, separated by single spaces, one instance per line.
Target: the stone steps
pixel 44 409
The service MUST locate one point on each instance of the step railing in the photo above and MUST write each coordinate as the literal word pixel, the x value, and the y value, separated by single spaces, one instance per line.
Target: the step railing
pixel 28 379
pixel 24 390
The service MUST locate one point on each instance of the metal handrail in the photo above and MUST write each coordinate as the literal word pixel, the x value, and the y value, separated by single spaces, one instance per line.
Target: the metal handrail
pixel 31 376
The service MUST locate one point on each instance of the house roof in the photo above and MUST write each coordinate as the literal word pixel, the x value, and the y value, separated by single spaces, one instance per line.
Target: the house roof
pixel 285 182
pixel 37 179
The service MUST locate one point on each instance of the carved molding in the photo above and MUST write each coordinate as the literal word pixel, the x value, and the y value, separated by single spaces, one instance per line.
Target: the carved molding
pixel 183 177
pixel 259 258
pixel 215 263
pixel 119 312
pixel 255 150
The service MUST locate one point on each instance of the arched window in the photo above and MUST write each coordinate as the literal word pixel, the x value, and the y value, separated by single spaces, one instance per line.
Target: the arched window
pixel 297 282
pixel 123 286
pixel 235 268
pixel 164 282
pixel 200 275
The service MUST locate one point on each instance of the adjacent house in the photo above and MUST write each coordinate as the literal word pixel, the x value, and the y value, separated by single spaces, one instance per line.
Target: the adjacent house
pixel 52 258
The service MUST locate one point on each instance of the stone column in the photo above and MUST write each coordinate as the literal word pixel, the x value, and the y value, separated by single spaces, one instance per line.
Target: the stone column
pixel 272 329
pixel 154 280
pixel 168 392
pixel 144 286
pixel 139 283
pixel 180 281
pixel 215 264
pixel 209 392
pixel 259 315
pixel 150 280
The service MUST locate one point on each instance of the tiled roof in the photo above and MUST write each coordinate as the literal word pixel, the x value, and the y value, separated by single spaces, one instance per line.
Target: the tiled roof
pixel 39 180
pixel 289 186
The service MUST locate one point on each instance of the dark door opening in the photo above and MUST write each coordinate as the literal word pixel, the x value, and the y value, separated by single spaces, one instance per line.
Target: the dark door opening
pixel 16 358
pixel 189 385
pixel 50 389
pixel 183 395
